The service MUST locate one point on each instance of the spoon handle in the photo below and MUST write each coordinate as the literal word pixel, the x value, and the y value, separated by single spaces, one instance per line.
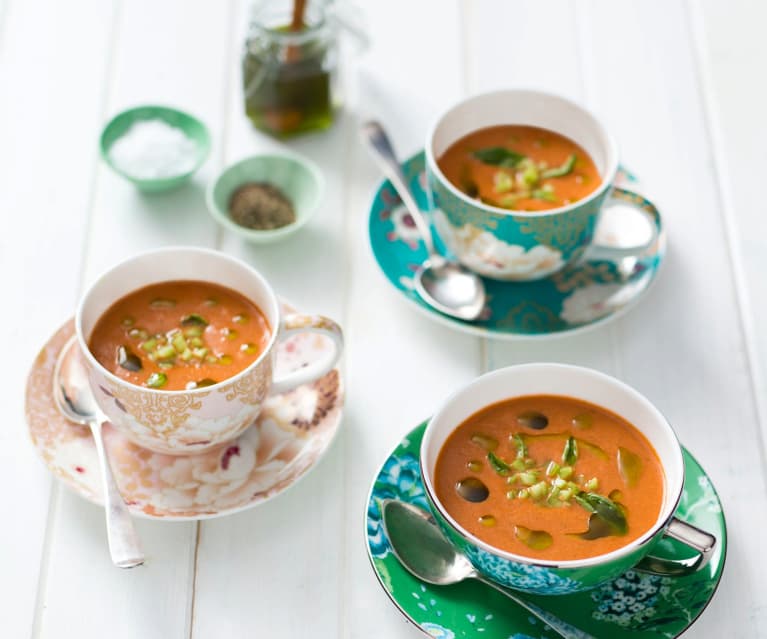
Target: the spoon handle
pixel 562 628
pixel 124 546
pixel 373 133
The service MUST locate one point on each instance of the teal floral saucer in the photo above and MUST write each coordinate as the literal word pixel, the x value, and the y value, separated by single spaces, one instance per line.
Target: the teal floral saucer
pixel 633 606
pixel 579 297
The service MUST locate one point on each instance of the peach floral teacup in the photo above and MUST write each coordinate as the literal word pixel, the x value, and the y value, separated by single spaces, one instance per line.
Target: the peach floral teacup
pixel 192 421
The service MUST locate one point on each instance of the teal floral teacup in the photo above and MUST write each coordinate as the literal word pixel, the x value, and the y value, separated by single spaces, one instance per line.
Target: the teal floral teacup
pixel 548 577
pixel 515 245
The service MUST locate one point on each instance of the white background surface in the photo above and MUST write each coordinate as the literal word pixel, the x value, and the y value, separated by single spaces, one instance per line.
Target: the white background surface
pixel 681 84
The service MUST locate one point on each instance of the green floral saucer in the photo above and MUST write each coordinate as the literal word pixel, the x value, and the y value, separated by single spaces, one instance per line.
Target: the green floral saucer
pixel 580 296
pixel 636 605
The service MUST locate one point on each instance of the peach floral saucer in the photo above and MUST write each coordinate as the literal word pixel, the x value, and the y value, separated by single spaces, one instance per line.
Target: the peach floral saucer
pixel 289 437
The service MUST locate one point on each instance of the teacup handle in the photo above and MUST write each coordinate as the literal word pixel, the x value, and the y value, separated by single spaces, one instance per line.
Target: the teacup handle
pixel 640 202
pixel 691 536
pixel 299 323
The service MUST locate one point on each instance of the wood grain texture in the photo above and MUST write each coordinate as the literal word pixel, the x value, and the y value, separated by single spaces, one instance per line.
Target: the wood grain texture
pixel 51 96
pixel 735 110
pixel 251 564
pixel 147 65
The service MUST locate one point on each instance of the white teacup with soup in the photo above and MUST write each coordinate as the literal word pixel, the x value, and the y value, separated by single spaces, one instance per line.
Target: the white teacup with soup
pixel 179 345
pixel 519 179
pixel 553 479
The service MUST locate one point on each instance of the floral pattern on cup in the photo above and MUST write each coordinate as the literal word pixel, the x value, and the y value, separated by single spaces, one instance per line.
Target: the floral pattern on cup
pixel 399 476
pixel 487 255
pixel 287 439
pixel 666 607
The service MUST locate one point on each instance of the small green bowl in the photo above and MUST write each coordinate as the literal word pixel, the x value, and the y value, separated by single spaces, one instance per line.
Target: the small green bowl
pixel 300 180
pixel 191 126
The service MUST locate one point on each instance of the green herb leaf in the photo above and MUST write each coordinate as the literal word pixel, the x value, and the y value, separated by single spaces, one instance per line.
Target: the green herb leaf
pixel 194 320
pixel 498 156
pixel 570 453
pixel 562 170
pixel 604 509
pixel 498 465
pixel 519 442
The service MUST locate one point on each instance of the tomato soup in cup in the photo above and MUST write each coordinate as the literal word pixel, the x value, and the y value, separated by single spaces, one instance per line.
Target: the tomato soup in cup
pixel 179 345
pixel 553 479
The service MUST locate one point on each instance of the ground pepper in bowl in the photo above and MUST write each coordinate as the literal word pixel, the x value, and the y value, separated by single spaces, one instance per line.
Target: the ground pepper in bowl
pixel 261 206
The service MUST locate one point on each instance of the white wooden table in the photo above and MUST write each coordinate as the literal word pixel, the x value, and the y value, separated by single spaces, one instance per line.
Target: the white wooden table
pixel 681 84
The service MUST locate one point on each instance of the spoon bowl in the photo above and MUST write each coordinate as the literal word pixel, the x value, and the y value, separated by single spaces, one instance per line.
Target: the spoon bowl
pixel 76 402
pixel 425 552
pixel 447 286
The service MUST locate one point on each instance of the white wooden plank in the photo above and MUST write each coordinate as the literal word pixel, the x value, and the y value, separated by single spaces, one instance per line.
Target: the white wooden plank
pixel 402 365
pixel 543 54
pixel 266 557
pixel 45 171
pixel 171 52
pixel 736 107
pixel 684 347
pixel 306 547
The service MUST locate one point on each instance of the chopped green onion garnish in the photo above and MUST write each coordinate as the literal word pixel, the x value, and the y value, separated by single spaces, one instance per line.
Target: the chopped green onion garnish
pixel 179 343
pixel 566 472
pixel 539 490
pixel 530 175
pixel 242 318
pixel 544 194
pixel 502 182
pixel 592 484
pixel 166 351
pixel 552 469
pixel 570 453
pixel 563 169
pixel 519 442
pixel 157 380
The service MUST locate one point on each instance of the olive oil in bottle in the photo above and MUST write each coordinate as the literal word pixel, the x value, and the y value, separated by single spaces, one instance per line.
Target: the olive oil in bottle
pixel 289 67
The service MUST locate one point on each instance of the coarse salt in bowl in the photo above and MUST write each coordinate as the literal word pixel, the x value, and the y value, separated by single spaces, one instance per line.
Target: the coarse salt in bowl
pixel 155 147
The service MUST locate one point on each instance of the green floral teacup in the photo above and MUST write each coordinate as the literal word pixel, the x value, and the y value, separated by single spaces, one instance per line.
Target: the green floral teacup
pixel 523 245
pixel 562 577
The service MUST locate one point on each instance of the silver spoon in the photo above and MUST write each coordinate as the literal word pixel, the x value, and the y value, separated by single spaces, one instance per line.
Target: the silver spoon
pixel 424 551
pixel 447 286
pixel 76 402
